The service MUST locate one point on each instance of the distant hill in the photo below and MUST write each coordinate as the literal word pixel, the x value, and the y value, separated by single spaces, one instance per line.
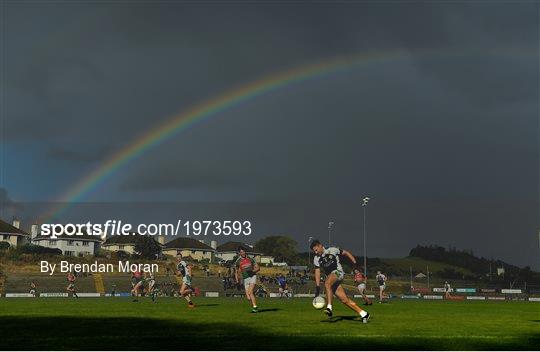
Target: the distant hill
pixel 446 264
pixel 403 266
pixel 460 258
pixel 479 267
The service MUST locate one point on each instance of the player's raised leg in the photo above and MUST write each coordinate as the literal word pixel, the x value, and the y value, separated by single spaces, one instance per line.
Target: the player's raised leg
pixel 342 295
pixel 329 288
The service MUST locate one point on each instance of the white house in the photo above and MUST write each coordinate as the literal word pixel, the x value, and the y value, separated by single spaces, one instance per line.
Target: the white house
pixel 71 246
pixel 229 250
pixel 12 234
pixel 125 243
pixel 267 259
pixel 189 247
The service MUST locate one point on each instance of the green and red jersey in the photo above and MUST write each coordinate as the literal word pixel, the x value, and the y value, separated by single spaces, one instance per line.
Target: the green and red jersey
pixel 245 266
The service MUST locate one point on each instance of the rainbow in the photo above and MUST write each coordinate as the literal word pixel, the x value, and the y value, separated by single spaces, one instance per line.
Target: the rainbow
pixel 202 112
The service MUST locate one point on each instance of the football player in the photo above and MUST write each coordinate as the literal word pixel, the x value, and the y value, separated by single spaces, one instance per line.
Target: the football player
pixel 361 280
pixel 71 285
pixel 327 259
pixel 381 280
pixel 184 269
pixel 249 269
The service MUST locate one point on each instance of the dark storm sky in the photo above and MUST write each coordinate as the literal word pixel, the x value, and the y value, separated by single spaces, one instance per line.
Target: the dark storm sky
pixel 446 146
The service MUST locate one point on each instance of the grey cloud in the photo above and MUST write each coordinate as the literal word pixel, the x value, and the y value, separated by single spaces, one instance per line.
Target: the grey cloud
pixel 73 155
pixel 417 132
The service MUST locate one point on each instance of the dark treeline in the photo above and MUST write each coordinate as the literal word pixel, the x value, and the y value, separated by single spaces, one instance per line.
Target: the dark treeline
pixel 482 268
pixel 461 258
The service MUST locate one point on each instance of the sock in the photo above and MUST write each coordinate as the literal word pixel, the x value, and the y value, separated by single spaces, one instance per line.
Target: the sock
pixel 363 313
pixel 329 306
pixel 254 306
pixel 188 298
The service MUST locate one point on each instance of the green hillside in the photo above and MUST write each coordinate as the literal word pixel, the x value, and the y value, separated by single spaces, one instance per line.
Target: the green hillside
pixel 420 265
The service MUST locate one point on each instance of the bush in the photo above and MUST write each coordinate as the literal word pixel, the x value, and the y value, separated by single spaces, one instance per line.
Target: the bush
pixel 4 245
pixel 35 249
pixel 103 253
pixel 120 255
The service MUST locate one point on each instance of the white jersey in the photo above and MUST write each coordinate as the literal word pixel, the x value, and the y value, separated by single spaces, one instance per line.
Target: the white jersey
pixel 182 267
pixel 381 279
pixel 328 260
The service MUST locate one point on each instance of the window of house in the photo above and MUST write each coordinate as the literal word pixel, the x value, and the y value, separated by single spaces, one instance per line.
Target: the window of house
pixel 85 243
pixel 121 246
pixel 69 253
pixel 52 242
pixel 71 242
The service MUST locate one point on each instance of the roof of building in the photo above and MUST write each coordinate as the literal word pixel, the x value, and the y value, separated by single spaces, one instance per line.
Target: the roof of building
pixel 7 228
pixel 187 243
pixel 124 240
pixel 233 247
pixel 64 237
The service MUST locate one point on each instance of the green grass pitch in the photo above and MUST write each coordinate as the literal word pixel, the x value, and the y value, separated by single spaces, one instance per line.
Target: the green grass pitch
pixel 226 323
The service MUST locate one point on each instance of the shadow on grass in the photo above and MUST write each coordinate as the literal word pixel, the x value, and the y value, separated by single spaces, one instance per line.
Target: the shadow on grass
pixel 340 318
pixel 268 310
pixel 75 333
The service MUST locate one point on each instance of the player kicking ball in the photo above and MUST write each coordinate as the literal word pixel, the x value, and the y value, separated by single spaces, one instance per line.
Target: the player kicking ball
pixel 184 269
pixel 328 260
pixel 249 269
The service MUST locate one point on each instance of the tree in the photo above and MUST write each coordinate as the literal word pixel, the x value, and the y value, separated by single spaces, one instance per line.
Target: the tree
pixel 147 247
pixel 282 248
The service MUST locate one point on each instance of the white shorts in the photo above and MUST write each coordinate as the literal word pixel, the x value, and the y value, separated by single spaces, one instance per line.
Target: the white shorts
pixel 339 274
pixel 382 287
pixel 362 287
pixel 186 280
pixel 250 281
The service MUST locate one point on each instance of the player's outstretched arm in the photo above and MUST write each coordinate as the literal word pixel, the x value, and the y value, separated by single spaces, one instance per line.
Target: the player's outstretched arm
pixel 317 281
pixel 349 256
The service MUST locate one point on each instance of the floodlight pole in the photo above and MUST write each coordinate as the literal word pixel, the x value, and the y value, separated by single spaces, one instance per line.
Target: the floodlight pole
pixel 309 250
pixel 330 224
pixel 364 207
